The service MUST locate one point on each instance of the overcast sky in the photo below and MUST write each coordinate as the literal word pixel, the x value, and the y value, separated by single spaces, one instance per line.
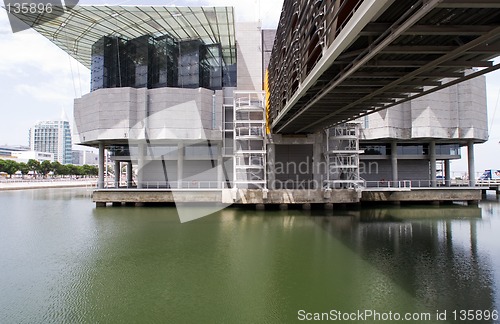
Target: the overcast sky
pixel 38 80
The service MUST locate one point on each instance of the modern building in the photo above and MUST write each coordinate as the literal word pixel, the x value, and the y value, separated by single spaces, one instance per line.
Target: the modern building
pixel 52 137
pixel 177 93
pixel 82 157
pixel 417 140
pixel 6 151
pixel 25 156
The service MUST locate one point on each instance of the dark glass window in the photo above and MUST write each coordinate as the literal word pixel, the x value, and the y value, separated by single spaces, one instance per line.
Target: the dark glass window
pixel 412 149
pixel 158 62
pixel 374 149
pixel 447 149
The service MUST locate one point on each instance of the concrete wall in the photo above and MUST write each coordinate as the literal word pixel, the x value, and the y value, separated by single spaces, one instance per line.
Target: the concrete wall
pixel 458 112
pixel 249 50
pixel 294 162
pixel 166 113
pixel 377 170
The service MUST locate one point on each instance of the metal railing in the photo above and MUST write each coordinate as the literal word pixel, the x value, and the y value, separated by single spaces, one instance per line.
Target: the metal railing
pixel 401 184
pixel 17 180
pixel 182 185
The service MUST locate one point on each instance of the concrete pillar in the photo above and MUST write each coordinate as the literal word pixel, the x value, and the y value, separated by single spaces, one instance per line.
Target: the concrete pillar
pixel 129 174
pixel 100 182
pixel 117 173
pixel 140 165
pixel 180 164
pixel 220 166
pixel 394 160
pixel 432 161
pixel 472 170
pixel 317 150
pixel 447 172
pixel 271 164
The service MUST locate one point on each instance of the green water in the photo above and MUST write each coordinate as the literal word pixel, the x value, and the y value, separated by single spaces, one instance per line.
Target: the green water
pixel 64 261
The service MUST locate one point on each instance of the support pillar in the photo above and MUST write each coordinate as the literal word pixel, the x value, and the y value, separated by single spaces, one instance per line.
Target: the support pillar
pixel 394 161
pixel 220 166
pixel 470 158
pixel 118 172
pixel 140 166
pixel 100 182
pixel 432 160
pixel 271 165
pixel 447 172
pixel 180 164
pixel 129 174
pixel 317 150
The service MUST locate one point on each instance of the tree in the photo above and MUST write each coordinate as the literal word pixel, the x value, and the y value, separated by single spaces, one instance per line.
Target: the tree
pixel 71 169
pixel 58 168
pixel 34 166
pixel 90 170
pixel 24 168
pixel 45 168
pixel 10 167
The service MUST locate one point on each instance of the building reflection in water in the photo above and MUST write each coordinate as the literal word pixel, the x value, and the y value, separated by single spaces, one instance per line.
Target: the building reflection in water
pixel 424 250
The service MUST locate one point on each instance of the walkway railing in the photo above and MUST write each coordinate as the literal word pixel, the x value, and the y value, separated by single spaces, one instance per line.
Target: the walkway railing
pixel 402 184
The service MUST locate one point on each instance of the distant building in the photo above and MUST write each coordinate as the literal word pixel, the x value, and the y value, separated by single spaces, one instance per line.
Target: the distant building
pixel 52 137
pixel 85 157
pixel 25 156
pixel 6 151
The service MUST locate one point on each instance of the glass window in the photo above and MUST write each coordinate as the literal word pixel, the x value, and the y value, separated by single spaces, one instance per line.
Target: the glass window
pixel 374 149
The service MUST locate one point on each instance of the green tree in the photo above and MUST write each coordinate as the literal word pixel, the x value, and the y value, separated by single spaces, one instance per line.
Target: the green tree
pixel 24 168
pixel 57 168
pixel 90 170
pixel 71 169
pixel 10 167
pixel 34 166
pixel 45 168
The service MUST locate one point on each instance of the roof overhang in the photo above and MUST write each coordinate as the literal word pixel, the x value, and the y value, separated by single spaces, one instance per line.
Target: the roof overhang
pixel 77 29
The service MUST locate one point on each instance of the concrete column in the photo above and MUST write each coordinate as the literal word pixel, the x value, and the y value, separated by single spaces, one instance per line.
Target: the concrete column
pixel 129 174
pixel 117 174
pixel 447 172
pixel 180 164
pixel 317 150
pixel 432 161
pixel 220 166
pixel 100 182
pixel 394 160
pixel 140 165
pixel 271 164
pixel 472 170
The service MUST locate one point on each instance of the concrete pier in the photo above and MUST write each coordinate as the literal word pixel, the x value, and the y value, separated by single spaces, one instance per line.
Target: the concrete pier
pixel 286 198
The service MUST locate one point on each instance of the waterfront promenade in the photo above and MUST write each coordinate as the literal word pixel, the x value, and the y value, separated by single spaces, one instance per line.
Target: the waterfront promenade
pixel 19 184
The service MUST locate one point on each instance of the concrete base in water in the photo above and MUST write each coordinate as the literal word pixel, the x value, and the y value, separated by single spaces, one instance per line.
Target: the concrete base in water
pixel 139 197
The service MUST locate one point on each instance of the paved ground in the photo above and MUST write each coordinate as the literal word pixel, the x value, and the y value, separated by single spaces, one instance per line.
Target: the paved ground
pixel 49 183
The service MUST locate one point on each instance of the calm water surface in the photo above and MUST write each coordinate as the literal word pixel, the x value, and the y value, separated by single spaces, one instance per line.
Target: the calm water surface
pixel 64 261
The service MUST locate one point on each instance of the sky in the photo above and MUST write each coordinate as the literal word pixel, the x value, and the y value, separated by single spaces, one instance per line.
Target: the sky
pixel 38 81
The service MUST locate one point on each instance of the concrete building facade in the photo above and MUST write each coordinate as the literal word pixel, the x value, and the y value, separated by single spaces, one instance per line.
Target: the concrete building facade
pixel 417 140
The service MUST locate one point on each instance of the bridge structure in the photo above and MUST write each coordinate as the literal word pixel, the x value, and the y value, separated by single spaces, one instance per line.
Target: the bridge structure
pixel 337 60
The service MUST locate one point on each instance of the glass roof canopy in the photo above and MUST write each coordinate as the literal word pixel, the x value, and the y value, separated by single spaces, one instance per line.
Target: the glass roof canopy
pixel 78 29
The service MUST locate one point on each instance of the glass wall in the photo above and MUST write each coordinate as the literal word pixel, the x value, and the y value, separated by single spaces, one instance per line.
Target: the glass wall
pixel 149 62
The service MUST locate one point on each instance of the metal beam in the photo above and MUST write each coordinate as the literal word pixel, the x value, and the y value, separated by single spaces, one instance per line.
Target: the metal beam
pixel 374 29
pixel 470 4
pixel 411 63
